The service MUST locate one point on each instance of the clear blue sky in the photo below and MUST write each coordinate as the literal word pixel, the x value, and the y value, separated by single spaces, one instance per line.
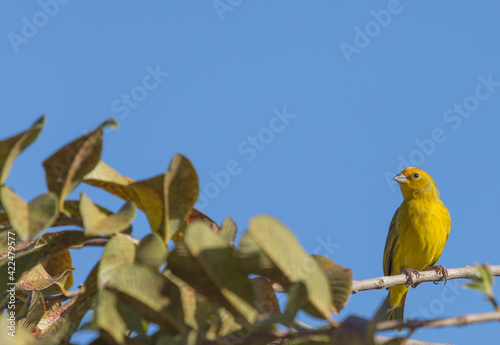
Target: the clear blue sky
pixel 309 108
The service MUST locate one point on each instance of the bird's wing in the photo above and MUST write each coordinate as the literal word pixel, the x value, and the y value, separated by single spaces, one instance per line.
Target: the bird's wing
pixel 390 244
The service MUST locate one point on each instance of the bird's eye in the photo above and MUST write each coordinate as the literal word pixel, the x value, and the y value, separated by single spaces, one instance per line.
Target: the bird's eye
pixel 416 175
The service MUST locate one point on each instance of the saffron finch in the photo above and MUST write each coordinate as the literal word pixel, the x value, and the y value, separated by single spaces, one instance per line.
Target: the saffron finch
pixel 417 235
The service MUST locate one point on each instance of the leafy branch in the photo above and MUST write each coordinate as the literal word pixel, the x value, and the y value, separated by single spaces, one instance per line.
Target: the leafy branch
pixel 482 281
pixel 186 276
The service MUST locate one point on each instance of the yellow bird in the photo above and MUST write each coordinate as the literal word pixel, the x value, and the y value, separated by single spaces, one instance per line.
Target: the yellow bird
pixel 417 235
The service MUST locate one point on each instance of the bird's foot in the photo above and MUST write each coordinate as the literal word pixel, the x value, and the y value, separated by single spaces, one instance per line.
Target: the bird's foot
pixel 441 269
pixel 409 276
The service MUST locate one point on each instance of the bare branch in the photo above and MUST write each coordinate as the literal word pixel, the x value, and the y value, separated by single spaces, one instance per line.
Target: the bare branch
pixel 425 276
pixel 445 322
pixel 276 337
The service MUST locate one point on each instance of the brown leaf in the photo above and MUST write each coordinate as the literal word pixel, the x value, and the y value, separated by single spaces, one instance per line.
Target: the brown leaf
pixel 265 298
pixel 180 194
pixel 52 319
pixel 57 264
pixel 10 148
pixel 194 214
pixel 61 323
pixel 147 194
pixel 66 168
pixel 340 280
pixel 38 279
pixel 167 199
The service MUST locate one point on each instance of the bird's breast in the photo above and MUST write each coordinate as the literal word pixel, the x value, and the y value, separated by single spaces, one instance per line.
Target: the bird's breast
pixel 423 229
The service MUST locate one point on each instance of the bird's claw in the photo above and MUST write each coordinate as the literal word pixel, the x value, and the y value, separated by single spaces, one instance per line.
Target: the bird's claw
pixel 409 276
pixel 441 269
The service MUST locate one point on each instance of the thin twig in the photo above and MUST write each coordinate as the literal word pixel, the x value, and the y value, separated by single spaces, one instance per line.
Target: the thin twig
pixel 494 302
pixel 101 242
pixel 425 276
pixel 63 297
pixel 96 242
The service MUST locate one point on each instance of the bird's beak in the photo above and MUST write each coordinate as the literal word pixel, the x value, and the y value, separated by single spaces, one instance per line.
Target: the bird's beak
pixel 400 178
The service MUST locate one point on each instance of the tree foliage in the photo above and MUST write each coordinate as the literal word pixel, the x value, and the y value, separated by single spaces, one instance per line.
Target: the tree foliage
pixel 202 289
pixel 185 282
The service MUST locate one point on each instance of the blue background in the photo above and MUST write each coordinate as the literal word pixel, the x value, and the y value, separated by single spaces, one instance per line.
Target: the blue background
pixel 369 88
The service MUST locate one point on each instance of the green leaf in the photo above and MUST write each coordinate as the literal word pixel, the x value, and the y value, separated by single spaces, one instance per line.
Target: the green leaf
pixel 485 274
pixel 151 294
pixel 97 222
pixel 118 252
pixel 187 338
pixel 11 148
pixel 134 321
pixel 66 168
pixel 189 299
pixel 73 216
pixel 147 194
pixel 228 230
pixel 271 250
pixel 29 219
pixel 152 252
pixel 297 299
pixel 180 192
pixel 198 260
pixel 107 317
pixel 43 212
pixel 482 281
pixel 340 279
pixel 17 210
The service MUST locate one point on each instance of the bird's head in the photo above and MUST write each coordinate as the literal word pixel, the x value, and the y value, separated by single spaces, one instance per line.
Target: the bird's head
pixel 416 183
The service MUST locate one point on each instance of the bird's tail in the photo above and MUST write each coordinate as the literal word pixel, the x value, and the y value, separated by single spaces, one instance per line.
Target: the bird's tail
pixel 387 311
pixel 397 313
